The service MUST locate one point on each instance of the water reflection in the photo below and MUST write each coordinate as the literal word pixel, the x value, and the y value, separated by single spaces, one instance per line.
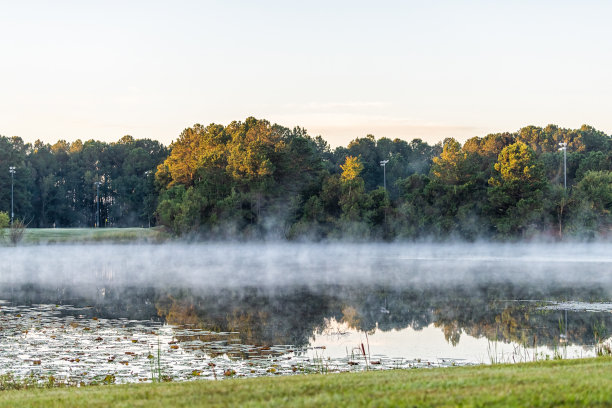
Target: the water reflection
pixel 87 327
pixel 257 321
pixel 507 312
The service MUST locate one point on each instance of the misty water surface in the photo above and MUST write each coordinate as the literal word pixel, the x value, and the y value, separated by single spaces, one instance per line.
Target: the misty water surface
pixel 265 309
pixel 274 265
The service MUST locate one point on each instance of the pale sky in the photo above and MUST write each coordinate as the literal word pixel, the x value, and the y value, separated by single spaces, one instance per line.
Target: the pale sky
pixel 341 69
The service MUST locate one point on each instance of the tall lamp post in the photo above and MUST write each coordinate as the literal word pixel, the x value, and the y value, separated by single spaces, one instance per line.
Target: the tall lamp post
pixel 97 184
pixel 383 163
pixel 12 171
pixel 564 148
pixel 147 174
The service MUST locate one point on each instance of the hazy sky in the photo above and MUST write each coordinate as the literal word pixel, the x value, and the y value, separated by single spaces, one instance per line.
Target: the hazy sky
pixel 342 69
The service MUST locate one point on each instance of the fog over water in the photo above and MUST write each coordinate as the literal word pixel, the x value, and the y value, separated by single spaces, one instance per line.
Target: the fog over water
pixel 76 311
pixel 269 265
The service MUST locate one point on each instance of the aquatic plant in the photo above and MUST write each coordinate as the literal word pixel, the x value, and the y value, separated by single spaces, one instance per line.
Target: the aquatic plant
pixel 9 381
pixel 493 355
pixel 557 353
pixel 600 333
pixel 320 365
pixel 603 350
pixel 156 367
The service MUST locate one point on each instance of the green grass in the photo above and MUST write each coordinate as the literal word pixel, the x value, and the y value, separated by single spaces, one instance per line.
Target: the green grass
pixel 70 235
pixel 546 384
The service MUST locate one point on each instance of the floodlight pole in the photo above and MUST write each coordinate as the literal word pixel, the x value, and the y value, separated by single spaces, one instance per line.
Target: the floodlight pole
pixel 147 174
pixel 564 148
pixel 12 171
pixel 97 183
pixel 383 163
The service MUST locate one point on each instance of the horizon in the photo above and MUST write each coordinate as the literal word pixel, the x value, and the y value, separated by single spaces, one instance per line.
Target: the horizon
pixel 332 146
pixel 343 70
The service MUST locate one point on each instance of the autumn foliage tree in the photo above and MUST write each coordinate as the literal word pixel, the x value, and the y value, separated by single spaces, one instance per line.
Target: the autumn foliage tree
pixel 518 189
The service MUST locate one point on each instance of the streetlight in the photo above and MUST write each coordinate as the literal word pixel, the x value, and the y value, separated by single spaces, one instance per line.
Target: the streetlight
pixel 564 148
pixel 383 163
pixel 97 184
pixel 12 171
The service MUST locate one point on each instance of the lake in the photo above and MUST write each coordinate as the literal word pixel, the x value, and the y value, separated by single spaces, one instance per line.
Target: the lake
pixel 85 314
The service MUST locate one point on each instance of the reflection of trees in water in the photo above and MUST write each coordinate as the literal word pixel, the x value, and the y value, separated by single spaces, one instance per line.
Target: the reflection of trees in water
pixel 499 312
pixel 106 302
pixel 514 313
pixel 260 318
pixel 502 312
pixel 290 316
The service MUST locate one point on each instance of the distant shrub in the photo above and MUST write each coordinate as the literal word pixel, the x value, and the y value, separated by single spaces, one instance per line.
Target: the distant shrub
pixel 5 220
pixel 16 232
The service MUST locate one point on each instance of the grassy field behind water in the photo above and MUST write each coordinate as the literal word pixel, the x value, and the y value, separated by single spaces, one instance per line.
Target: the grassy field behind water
pixel 544 384
pixel 84 235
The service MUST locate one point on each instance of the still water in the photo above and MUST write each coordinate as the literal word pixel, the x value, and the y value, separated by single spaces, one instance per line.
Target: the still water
pixel 128 313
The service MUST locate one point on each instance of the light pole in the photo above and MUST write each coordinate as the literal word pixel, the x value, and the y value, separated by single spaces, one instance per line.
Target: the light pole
pixel 383 163
pixel 147 174
pixel 12 171
pixel 97 183
pixel 564 148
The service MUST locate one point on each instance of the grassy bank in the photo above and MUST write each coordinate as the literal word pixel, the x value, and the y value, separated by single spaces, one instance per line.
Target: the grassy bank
pixel 84 235
pixel 552 383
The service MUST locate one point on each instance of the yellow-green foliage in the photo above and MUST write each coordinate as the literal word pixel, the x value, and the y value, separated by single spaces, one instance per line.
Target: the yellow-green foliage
pixel 448 167
pixel 351 168
pixel 4 219
pixel 518 162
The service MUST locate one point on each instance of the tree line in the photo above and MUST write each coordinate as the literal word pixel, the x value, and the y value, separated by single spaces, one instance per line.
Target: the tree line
pixel 253 179
pixel 54 184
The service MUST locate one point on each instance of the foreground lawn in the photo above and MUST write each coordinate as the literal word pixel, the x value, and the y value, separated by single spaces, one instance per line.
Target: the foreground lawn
pixel 550 384
pixel 66 235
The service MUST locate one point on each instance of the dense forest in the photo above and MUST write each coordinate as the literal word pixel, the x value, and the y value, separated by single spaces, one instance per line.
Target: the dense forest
pixel 252 179
pixel 54 184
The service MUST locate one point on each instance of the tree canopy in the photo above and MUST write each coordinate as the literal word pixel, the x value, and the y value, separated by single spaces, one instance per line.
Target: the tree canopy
pixel 254 179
